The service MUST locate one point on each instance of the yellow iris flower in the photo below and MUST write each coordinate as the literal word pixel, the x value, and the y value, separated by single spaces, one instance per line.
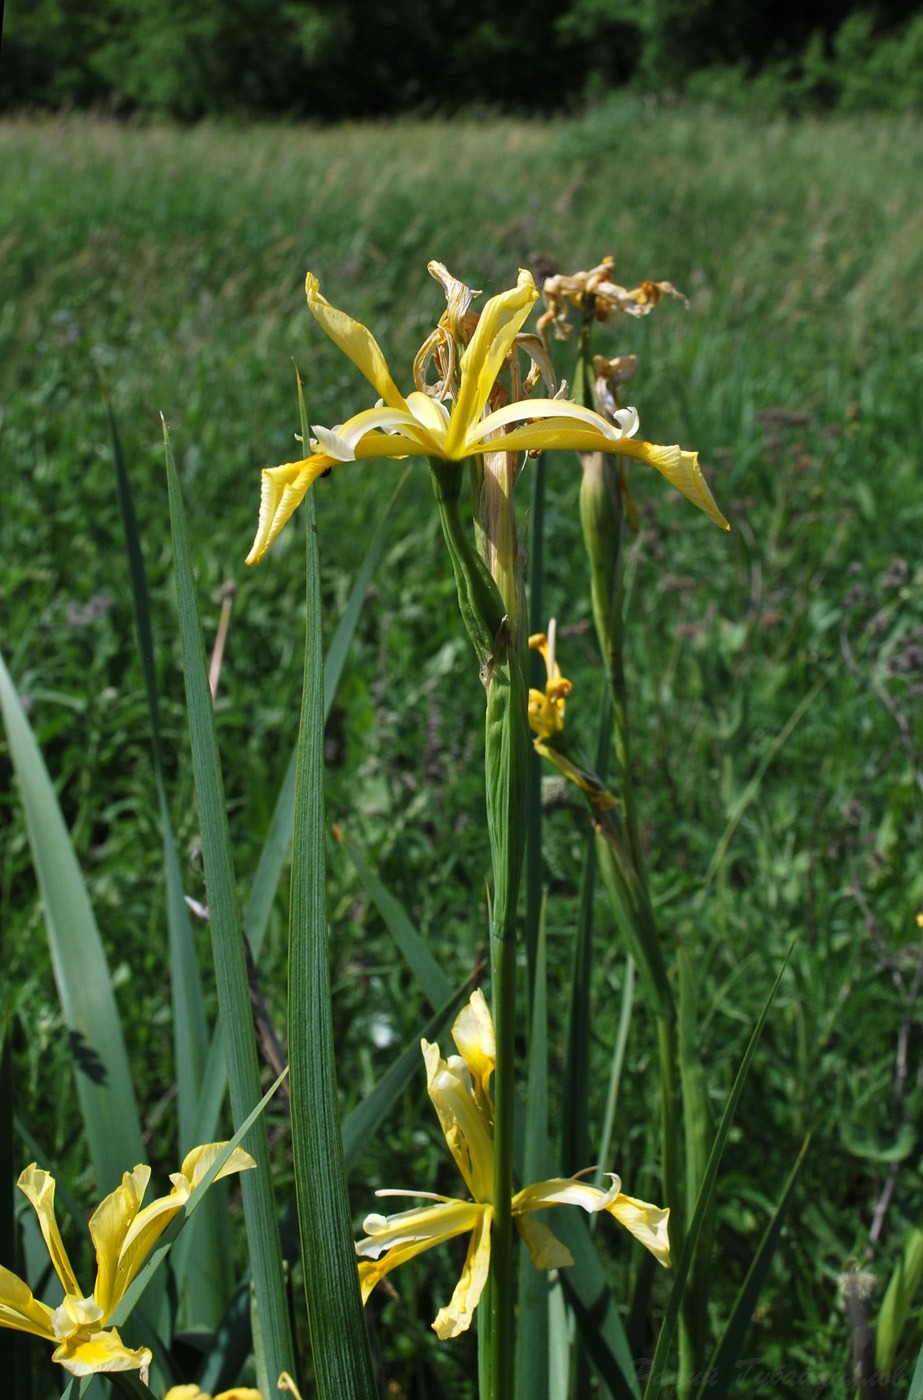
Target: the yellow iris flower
pixel 123 1235
pixel 422 426
pixel 192 1392
pixel 237 1392
pixel 459 1090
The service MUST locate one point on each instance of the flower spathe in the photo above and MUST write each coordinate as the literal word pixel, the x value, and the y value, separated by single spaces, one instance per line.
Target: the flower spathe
pixel 421 425
pixel 123 1234
pixel 458 1088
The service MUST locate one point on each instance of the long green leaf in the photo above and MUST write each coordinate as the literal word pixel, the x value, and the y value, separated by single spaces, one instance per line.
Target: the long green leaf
pixel 228 954
pixel 339 1343
pixel 720 1373
pixel 916 1385
pixel 202 1262
pixel 898 1299
pixel 98 1055
pixel 656 1375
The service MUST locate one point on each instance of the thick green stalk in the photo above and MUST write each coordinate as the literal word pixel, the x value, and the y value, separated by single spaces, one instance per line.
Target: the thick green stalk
pixel 507 747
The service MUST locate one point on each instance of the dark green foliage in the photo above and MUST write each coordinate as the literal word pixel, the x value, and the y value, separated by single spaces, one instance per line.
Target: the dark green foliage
pixel 330 59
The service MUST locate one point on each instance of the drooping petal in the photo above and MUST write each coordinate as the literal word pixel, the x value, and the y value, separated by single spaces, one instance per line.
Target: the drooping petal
pixel 451 1321
pixel 356 342
pixel 649 1224
pixel 682 470
pixel 500 322
pixel 197 1162
pixel 20 1310
pixel 392 1240
pixel 464 1120
pixel 545 1249
pixel 101 1351
pixel 282 489
pixel 38 1186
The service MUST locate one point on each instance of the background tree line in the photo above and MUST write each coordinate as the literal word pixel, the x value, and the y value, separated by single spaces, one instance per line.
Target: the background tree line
pixel 343 58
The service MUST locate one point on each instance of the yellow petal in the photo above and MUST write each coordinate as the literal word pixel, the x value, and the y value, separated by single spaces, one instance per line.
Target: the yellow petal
pixel 451 1321
pixel 20 1310
pixel 473 1033
pixel 109 1227
pixel 192 1392
pixel 464 1120
pixel 647 1223
pixel 38 1186
pixel 200 1159
pixel 102 1351
pixel 392 1240
pixel 682 470
pixel 499 324
pixel 356 342
pixel 545 1249
pixel 282 489
pixel 149 1224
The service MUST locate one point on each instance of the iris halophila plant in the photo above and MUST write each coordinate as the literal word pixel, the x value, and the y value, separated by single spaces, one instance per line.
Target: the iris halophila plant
pixel 422 425
pixel 460 1091
pixel 123 1235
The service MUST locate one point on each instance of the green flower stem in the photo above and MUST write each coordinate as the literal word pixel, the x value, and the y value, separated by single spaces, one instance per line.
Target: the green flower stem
pixel 618 843
pixel 507 749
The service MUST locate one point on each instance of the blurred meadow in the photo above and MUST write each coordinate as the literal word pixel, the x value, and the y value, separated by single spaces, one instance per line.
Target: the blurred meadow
pixel 775 674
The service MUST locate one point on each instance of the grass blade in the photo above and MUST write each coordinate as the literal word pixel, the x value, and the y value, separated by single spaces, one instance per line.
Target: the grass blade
pixel 898 1300
pixel 656 1377
pixel 339 1344
pixel 100 1062
pixel 720 1373
pixel 228 953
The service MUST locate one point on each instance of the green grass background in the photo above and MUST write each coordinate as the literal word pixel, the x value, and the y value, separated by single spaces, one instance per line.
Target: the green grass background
pixel 167 266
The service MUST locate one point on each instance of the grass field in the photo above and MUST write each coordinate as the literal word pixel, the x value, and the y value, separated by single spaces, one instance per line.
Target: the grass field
pixel 776 673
